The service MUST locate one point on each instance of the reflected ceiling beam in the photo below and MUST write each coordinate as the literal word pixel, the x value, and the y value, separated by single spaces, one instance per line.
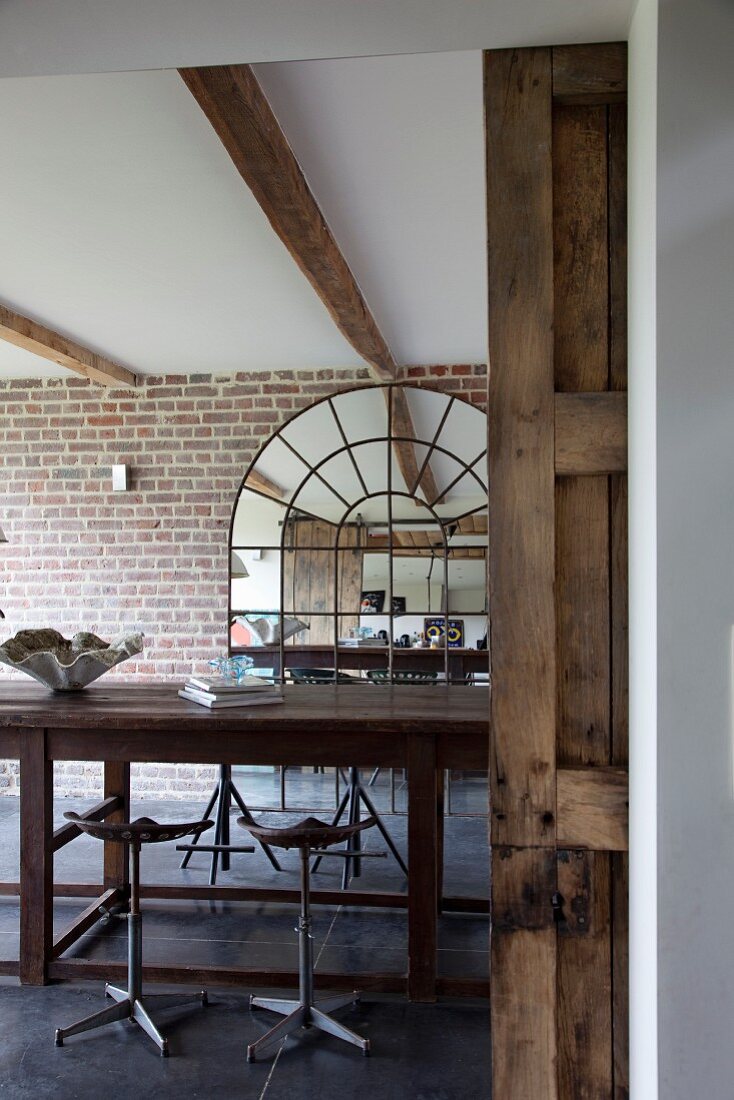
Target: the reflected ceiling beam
pixel 264 485
pixel 35 337
pixel 236 106
pixel 402 424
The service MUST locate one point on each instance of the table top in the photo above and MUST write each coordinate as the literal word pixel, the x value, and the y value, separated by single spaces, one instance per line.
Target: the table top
pixel 135 706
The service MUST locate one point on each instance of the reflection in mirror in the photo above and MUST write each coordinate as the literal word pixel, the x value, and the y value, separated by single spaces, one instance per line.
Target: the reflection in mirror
pixel 366 548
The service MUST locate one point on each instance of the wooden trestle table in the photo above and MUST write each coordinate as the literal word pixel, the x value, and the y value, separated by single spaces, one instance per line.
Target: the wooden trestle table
pixel 423 729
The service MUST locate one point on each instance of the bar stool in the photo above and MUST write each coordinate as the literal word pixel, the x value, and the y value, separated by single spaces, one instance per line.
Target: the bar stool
pixel 222 796
pixel 309 836
pixel 130 1003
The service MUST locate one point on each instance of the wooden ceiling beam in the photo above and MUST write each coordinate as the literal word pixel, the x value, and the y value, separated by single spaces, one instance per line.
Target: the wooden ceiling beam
pixel 405 453
pixel 35 337
pixel 262 484
pixel 236 107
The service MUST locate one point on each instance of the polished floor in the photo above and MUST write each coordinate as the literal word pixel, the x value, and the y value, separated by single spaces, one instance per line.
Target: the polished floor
pixel 436 1052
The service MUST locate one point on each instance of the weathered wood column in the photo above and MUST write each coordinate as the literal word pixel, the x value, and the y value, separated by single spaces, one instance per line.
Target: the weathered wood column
pixel 556 202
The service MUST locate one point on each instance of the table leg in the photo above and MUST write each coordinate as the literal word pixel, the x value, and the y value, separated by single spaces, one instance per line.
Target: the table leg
pixel 117 782
pixel 440 813
pixel 36 857
pixel 422 863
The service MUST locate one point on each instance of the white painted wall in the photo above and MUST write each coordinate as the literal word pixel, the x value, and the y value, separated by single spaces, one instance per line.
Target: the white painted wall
pixel 643 560
pixel 695 547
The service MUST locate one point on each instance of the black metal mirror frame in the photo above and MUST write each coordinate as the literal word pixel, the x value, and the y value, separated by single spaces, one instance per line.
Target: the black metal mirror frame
pixel 291 508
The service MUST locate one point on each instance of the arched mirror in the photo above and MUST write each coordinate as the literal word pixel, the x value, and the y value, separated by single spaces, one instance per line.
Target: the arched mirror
pixel 358 542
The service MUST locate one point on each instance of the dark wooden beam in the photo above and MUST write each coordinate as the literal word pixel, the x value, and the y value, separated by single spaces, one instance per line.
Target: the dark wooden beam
pixel 402 425
pixel 235 105
pixel 590 74
pixel 518 121
pixel 37 338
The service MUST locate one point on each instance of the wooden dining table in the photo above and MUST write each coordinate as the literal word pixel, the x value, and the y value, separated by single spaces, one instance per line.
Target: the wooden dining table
pixel 422 729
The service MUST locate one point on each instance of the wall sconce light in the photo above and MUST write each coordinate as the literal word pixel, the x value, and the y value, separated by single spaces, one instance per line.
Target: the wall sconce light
pixel 120 479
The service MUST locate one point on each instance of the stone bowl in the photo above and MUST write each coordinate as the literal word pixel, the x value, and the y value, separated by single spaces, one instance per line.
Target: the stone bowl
pixel 64 664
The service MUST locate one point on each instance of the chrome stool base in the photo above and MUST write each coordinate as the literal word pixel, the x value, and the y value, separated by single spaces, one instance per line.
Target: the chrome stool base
pixel 298 1015
pixel 135 1010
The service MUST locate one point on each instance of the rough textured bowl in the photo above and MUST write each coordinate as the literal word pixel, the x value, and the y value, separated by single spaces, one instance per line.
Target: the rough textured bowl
pixel 64 664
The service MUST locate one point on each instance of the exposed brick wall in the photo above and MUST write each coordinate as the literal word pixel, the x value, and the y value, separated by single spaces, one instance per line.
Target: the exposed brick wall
pixel 81 557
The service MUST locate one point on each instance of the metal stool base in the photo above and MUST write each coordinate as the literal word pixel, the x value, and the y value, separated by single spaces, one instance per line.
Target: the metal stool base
pixel 297 1015
pixel 133 1009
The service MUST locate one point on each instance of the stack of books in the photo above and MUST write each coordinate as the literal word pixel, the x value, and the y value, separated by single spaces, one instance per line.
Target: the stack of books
pixel 215 693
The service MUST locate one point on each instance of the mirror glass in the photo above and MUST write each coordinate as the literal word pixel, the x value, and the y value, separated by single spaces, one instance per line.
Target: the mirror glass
pixel 359 540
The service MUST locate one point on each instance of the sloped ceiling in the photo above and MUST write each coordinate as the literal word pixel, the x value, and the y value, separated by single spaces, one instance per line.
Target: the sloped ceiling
pixel 127 227
pixel 79 36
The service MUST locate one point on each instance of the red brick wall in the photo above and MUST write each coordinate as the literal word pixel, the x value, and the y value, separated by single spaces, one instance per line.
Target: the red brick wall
pixel 81 557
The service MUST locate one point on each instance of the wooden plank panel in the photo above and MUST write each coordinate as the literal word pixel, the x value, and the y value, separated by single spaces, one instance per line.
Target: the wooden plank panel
pixel 523 884
pixel 523 994
pixel 521 564
pixel 593 808
pixel 617 174
pixel 591 433
pixel 620 974
pixel 584 977
pixel 521 445
pixel 582 620
pixel 590 74
pixel 619 586
pixel 580 247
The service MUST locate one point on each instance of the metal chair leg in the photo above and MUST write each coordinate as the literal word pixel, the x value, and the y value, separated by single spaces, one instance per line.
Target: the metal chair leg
pixel 109 1015
pixel 195 840
pixel 142 1018
pixel 334 821
pixel 284 1027
pixel 325 1023
pixel 274 1004
pixel 246 813
pixel 380 825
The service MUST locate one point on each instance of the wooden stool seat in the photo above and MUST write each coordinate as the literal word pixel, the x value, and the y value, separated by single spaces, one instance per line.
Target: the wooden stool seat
pixel 309 833
pixel 141 831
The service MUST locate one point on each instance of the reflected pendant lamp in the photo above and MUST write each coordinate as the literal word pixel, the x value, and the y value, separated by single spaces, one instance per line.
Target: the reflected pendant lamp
pixel 237 567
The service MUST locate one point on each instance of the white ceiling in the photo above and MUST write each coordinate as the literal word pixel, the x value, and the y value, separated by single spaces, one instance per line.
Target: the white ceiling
pixel 78 36
pixel 393 148
pixel 128 228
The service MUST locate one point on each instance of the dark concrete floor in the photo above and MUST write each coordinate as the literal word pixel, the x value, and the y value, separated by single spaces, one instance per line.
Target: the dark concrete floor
pixel 434 1052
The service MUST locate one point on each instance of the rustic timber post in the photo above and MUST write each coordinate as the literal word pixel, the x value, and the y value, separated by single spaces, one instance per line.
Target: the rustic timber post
pixel 556 214
pixel 521 572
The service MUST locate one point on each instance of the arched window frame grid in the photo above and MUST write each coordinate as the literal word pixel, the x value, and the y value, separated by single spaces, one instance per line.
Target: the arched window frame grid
pixel 291 506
